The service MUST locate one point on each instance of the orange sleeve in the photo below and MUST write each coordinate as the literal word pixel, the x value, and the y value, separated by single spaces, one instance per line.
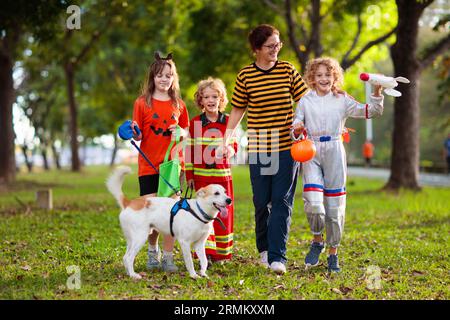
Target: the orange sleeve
pixel 183 121
pixel 137 113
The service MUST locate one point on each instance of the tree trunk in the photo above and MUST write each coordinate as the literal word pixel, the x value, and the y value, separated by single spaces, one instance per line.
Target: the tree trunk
pixel 315 41
pixel 73 121
pixel 114 152
pixel 405 138
pixel 7 150
pixel 45 158
pixel 55 156
pixel 28 163
pixel 302 56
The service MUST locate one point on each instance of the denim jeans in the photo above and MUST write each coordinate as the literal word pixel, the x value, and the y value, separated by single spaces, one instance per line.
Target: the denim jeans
pixel 274 179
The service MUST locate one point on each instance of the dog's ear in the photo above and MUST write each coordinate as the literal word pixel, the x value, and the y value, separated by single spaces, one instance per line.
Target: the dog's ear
pixel 201 192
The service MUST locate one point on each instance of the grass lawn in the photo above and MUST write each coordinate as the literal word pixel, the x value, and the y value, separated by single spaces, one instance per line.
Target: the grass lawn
pixel 394 246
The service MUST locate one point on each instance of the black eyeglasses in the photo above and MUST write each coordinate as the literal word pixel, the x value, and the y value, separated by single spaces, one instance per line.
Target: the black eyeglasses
pixel 274 46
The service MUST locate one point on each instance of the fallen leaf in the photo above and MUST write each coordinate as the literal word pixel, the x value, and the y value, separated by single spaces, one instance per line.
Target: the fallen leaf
pixel 154 287
pixel 26 268
pixel 241 282
pixel 417 273
pixel 345 290
pixel 101 293
pixel 210 284
pixel 336 290
pixel 280 286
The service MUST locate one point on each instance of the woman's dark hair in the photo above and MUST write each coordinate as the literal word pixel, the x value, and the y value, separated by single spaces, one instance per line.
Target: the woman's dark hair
pixel 260 34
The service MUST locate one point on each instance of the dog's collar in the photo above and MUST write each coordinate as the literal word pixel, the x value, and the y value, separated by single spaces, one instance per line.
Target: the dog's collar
pixel 209 218
pixel 203 213
pixel 183 204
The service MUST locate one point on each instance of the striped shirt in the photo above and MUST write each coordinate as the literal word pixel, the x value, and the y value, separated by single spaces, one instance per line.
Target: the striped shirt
pixel 268 96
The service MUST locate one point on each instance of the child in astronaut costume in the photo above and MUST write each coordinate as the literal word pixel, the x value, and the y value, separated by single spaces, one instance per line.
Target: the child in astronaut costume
pixel 322 113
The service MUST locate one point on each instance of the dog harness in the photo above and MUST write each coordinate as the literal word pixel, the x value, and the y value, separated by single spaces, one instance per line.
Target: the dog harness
pixel 184 205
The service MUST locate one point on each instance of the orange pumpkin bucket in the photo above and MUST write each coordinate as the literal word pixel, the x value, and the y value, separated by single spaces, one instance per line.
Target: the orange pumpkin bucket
pixel 303 150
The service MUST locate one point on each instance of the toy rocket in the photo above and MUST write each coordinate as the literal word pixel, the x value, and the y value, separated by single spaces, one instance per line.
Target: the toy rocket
pixel 389 83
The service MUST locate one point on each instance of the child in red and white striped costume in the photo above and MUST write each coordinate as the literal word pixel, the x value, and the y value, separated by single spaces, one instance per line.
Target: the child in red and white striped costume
pixel 204 166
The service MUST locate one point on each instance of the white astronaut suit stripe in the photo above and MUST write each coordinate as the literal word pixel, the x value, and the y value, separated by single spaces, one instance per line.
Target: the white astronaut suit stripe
pixel 324 177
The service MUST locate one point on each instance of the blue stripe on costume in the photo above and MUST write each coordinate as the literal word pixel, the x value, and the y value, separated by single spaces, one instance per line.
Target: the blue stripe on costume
pixel 311 185
pixel 334 190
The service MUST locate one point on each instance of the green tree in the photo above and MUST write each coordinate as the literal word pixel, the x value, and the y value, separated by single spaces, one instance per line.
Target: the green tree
pixel 18 18
pixel 410 64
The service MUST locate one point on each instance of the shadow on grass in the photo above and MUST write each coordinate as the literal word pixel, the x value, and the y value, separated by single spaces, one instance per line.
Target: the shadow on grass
pixel 426 224
pixel 26 185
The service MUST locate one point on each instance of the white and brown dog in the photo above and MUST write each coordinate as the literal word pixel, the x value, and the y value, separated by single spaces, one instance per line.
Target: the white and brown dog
pixel 139 216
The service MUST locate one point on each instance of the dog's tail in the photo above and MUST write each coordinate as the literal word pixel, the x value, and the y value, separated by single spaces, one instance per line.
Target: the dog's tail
pixel 114 184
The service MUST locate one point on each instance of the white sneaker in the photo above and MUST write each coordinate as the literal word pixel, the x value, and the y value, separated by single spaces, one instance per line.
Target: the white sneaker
pixel 264 260
pixel 278 267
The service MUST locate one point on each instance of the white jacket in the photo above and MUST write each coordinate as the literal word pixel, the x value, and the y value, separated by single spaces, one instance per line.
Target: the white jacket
pixel 326 116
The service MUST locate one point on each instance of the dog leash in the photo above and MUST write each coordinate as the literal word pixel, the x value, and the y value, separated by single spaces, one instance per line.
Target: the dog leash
pixel 150 163
pixel 126 133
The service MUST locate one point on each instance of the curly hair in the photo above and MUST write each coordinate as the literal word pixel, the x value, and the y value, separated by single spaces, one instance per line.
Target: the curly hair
pixel 215 84
pixel 331 65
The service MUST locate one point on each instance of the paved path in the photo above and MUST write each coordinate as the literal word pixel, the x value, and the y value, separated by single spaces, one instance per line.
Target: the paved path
pixel 425 179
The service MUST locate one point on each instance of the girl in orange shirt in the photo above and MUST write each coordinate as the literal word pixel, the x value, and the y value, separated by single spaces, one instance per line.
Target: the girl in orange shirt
pixel 157 112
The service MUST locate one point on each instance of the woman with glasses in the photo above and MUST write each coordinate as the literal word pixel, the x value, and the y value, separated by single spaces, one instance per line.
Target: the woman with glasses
pixel 266 89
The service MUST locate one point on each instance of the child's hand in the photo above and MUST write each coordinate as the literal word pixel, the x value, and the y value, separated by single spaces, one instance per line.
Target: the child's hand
pixel 230 152
pixel 377 90
pixel 135 135
pixel 298 128
pixel 173 127
pixel 221 152
pixel 190 183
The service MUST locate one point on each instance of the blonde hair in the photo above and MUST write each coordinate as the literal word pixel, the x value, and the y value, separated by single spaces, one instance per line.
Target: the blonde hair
pixel 215 84
pixel 332 65
pixel 148 88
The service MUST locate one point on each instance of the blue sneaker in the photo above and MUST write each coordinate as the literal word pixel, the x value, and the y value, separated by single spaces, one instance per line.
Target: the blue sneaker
pixel 312 258
pixel 333 263
pixel 153 259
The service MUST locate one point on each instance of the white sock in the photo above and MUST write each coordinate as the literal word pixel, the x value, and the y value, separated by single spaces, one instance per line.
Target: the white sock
pixel 153 247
